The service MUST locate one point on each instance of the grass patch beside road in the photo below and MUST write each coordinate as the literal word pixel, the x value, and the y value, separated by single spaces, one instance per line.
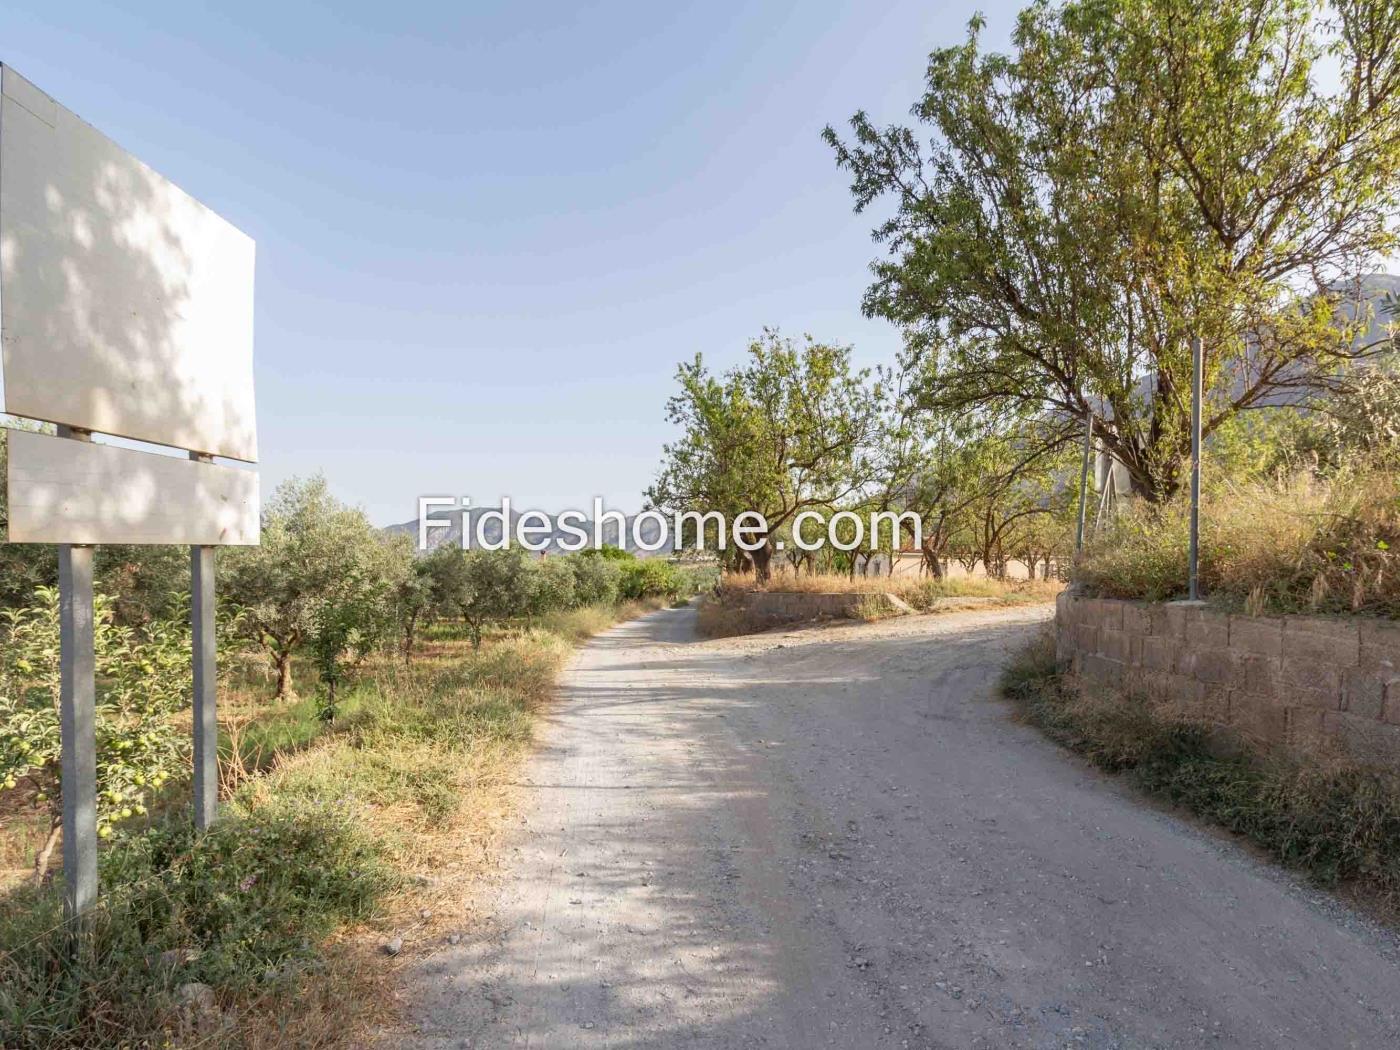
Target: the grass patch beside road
pixel 723 614
pixel 335 838
pixel 1338 822
pixel 918 591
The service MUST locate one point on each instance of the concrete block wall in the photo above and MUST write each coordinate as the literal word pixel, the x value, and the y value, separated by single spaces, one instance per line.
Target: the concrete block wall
pixel 1295 681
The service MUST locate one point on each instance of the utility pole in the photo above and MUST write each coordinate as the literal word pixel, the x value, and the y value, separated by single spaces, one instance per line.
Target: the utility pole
pixel 1084 480
pixel 1194 553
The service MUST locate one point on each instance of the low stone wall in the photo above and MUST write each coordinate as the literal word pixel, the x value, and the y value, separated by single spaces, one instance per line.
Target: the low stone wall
pixel 1277 680
pixel 765 609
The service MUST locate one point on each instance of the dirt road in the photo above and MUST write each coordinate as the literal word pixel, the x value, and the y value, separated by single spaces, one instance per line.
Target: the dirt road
pixel 839 837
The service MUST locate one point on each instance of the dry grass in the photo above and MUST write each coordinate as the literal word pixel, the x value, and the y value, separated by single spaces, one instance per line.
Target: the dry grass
pixel 723 615
pixel 918 591
pixel 418 772
pixel 1301 544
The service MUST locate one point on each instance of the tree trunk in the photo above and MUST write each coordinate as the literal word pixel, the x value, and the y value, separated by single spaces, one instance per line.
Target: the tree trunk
pixel 762 559
pixel 283 659
pixel 41 861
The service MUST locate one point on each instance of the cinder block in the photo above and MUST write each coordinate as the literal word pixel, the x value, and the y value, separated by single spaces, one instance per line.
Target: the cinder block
pixel 1363 693
pixel 1064 646
pixel 1302 696
pixel 1207 627
pixel 1107 613
pixel 1185 696
pixel 1168 621
pixel 1254 672
pixel 1086 638
pixel 1392 702
pixel 1258 720
pixel 1137 619
pixel 1257 634
pixel 1380 646
pixel 1303 671
pixel 1364 738
pixel 1306 727
pixel 1312 638
pixel 1102 669
pixel 1156 653
pixel 1207 665
pixel 1116 645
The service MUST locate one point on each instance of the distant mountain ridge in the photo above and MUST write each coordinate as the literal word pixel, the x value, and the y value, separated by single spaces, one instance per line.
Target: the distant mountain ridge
pixel 651 531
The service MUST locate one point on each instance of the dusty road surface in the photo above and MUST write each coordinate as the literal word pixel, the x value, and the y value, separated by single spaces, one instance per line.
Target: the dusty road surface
pixel 839 837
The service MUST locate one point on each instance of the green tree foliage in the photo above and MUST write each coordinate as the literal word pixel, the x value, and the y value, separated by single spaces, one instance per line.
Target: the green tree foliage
pixel 496 586
pixel 143 678
pixel 789 430
pixel 555 586
pixel 1136 173
pixel 359 612
pixel 651 578
pixel 595 579
pixel 322 574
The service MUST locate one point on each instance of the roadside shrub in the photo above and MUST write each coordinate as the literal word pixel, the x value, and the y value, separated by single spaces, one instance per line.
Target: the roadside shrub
pixel 142 678
pixel 497 586
pixel 649 578
pixel 555 586
pixel 596 580
pixel 241 908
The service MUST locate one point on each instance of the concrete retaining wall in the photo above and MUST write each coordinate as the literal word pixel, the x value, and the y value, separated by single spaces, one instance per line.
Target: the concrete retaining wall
pixel 1277 680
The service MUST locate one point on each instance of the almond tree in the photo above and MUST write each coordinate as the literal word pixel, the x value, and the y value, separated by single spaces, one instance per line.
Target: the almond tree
pixel 791 429
pixel 1136 173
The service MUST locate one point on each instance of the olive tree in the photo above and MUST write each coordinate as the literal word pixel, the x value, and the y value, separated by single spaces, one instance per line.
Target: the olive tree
pixel 322 572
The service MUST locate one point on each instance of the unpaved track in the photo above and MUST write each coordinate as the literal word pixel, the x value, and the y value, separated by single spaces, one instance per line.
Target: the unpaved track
pixel 839 837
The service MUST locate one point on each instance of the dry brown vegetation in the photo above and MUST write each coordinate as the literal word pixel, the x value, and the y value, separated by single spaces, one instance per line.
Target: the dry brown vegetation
pixel 722 615
pixel 1299 544
pixel 917 591
pixel 395 807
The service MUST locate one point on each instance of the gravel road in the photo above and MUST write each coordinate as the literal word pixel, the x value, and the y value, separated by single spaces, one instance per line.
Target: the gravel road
pixel 840 837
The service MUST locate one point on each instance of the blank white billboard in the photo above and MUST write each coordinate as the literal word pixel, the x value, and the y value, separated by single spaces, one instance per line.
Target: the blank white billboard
pixel 126 306
pixel 66 491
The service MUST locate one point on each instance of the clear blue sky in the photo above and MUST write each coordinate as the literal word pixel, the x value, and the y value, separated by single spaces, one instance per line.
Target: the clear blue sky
pixel 488 232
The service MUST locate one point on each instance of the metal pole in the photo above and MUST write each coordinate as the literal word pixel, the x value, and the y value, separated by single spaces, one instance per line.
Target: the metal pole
pixel 1194 554
pixel 77 720
pixel 1084 481
pixel 206 726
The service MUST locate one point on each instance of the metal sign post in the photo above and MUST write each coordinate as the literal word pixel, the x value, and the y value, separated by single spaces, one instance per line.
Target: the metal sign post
pixel 1193 587
pixel 204 659
pixel 77 719
pixel 1084 481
